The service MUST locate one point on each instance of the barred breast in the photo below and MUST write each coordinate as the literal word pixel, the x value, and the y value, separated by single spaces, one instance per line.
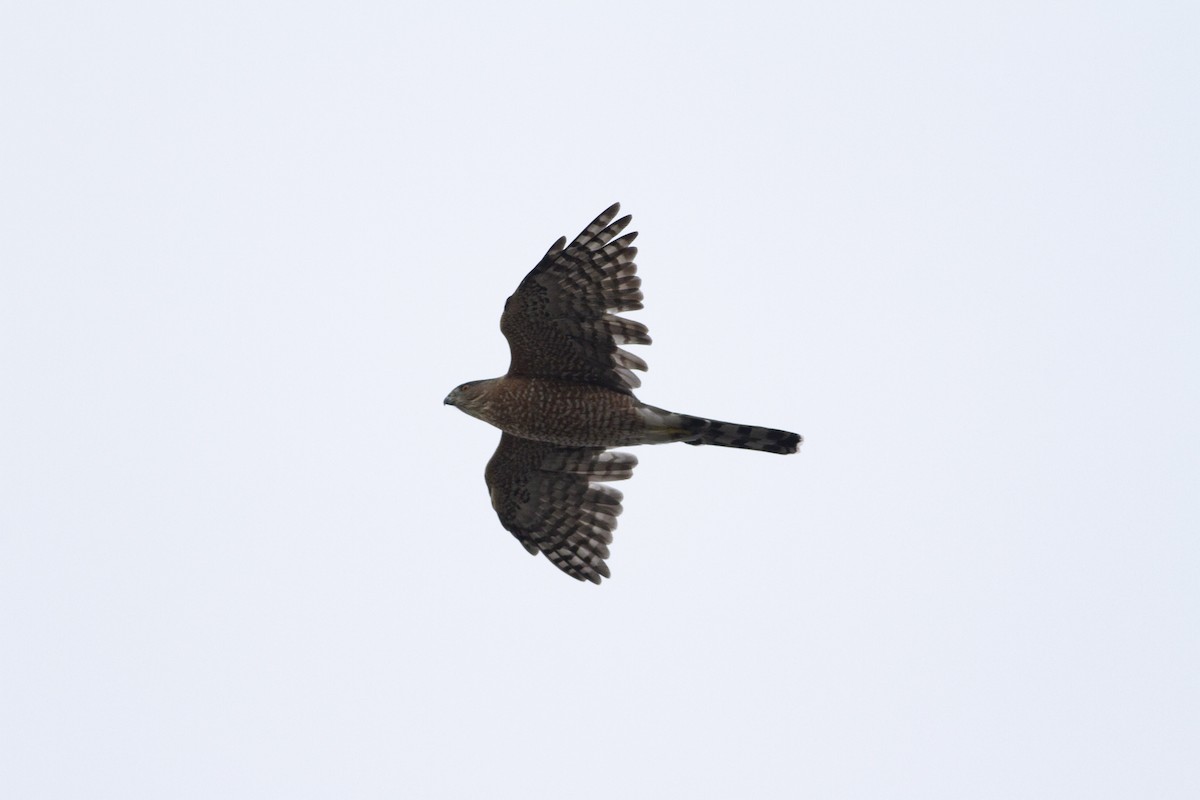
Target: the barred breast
pixel 564 412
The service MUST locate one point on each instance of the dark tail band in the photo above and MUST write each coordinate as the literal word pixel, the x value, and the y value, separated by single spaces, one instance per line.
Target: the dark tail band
pixel 746 437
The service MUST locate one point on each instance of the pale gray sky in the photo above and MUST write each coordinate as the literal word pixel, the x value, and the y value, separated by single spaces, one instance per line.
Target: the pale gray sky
pixel 247 248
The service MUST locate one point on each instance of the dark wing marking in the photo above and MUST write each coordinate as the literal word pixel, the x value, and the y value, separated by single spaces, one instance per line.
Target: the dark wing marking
pixel 559 322
pixel 553 500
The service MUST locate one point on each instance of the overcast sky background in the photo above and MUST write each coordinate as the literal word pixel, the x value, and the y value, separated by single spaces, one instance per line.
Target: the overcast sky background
pixel 247 248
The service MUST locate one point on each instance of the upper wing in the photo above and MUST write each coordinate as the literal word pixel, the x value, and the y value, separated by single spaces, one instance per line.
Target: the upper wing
pixel 552 500
pixel 558 322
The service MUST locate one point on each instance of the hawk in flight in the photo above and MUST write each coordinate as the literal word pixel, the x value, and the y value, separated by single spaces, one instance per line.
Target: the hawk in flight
pixel 568 397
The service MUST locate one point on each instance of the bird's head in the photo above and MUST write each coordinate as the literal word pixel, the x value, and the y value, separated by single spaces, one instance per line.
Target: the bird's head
pixel 469 397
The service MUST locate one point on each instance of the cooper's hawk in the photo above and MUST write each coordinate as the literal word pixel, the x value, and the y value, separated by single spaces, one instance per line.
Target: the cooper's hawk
pixel 568 396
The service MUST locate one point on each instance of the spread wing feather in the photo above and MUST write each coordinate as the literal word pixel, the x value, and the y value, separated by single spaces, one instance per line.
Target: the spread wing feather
pixel 559 322
pixel 552 499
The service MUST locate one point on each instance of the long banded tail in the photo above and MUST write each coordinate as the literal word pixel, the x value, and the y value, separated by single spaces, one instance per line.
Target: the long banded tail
pixel 747 437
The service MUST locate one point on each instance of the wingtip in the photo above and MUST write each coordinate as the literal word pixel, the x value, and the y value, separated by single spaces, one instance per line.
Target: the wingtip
pixel 556 248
